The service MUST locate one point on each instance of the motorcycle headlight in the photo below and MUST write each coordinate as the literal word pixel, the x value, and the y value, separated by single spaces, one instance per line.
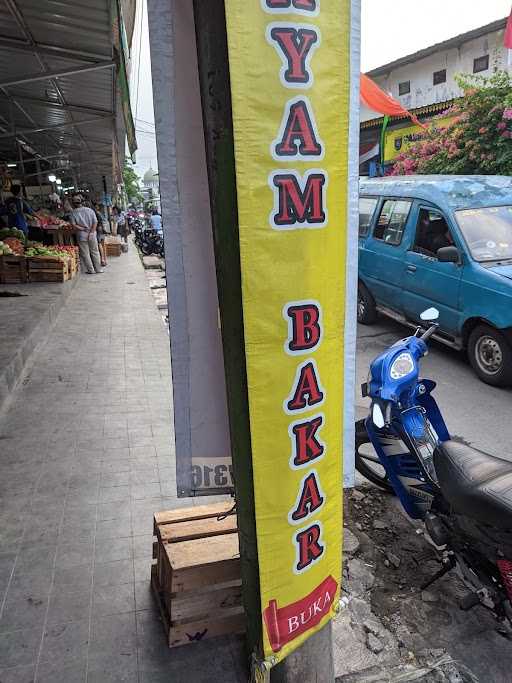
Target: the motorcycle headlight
pixel 402 366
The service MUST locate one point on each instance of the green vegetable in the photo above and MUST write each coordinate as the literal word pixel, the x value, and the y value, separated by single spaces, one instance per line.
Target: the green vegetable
pixel 5 250
pixel 13 232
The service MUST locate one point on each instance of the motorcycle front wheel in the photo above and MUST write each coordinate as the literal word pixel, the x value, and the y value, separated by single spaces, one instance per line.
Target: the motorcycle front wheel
pixel 367 462
pixel 147 249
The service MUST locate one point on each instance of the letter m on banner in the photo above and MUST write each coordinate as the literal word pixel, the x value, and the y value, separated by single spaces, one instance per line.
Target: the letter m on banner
pixel 299 201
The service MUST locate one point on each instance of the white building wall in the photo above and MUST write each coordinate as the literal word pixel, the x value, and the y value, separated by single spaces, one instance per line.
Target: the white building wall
pixel 455 61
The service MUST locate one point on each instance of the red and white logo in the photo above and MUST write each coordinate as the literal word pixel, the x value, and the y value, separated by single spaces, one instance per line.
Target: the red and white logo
pixel 284 624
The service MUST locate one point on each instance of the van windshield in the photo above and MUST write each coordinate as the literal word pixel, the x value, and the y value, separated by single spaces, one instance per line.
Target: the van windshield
pixel 488 232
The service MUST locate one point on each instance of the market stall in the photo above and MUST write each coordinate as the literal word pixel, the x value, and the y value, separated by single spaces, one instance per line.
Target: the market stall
pixel 54 228
pixel 23 260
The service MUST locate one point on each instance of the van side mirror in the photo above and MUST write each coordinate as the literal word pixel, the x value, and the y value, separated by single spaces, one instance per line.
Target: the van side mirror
pixel 448 255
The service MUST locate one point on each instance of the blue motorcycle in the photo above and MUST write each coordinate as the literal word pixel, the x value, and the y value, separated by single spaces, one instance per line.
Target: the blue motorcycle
pixel 462 496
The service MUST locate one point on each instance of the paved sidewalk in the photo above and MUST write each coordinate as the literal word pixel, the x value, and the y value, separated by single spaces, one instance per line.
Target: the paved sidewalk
pixel 85 460
pixel 26 321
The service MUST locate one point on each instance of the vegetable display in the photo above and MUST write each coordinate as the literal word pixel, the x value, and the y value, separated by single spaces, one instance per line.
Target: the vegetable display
pixel 5 250
pixel 49 222
pixel 15 245
pixel 12 232
pixel 48 252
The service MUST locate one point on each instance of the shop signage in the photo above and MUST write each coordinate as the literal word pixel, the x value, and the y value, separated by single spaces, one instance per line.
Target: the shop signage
pixel 399 140
pixel 289 65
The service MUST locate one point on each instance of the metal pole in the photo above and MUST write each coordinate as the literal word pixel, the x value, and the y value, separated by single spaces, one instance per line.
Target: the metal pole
pixel 19 148
pixel 38 167
pixel 212 50
pixel 22 164
pixel 313 661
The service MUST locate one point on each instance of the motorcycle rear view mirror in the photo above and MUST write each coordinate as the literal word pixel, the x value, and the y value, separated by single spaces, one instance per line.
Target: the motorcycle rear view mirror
pixel 430 315
pixel 377 416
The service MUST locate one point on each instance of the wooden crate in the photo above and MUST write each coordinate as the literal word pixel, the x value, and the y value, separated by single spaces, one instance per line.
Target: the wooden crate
pixel 113 248
pixel 48 269
pixel 74 267
pixel 113 245
pixel 197 579
pixel 13 270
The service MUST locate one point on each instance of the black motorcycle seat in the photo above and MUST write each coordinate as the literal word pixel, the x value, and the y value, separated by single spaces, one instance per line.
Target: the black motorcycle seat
pixel 475 484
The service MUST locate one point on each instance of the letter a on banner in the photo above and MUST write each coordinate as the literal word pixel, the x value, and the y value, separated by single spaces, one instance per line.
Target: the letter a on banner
pixel 291 95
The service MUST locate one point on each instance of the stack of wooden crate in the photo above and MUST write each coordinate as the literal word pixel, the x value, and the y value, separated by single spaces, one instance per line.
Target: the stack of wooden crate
pixel 13 270
pixel 75 262
pixel 196 579
pixel 48 269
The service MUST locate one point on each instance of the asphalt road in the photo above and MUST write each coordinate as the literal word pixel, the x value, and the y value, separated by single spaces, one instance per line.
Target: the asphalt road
pixel 480 414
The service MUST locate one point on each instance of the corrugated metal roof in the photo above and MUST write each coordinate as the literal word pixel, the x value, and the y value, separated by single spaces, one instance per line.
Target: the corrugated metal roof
pixel 70 117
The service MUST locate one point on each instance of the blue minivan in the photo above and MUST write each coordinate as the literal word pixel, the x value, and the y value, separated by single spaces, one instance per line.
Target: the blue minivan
pixel 442 241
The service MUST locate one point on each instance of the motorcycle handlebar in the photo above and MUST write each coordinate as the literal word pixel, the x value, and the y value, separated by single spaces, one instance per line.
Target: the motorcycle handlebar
pixel 431 330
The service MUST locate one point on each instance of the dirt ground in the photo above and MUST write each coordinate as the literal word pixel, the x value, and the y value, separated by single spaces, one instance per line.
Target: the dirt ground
pixel 388 568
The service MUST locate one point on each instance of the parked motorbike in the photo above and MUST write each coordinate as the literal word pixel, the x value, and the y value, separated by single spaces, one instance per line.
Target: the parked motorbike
pixel 462 496
pixel 152 242
pixel 138 232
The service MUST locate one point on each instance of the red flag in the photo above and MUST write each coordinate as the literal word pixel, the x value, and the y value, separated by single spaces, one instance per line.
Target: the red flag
pixel 377 100
pixel 508 33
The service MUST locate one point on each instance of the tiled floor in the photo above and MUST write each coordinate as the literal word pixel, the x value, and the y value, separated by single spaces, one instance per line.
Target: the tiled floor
pixel 85 460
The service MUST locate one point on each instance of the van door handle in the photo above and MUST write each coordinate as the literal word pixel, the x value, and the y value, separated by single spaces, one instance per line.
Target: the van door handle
pixel 411 269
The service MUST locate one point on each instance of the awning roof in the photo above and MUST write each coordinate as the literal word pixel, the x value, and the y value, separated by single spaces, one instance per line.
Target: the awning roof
pixel 58 88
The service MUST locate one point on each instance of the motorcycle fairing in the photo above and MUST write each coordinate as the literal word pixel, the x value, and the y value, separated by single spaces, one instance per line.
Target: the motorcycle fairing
pixel 395 448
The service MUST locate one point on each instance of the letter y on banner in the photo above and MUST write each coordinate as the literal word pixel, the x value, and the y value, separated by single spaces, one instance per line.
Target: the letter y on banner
pixel 294 119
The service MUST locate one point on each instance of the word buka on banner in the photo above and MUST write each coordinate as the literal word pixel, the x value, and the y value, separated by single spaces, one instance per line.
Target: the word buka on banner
pixel 290 81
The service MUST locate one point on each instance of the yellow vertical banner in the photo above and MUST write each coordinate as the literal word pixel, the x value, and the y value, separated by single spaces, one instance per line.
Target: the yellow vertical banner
pixel 290 83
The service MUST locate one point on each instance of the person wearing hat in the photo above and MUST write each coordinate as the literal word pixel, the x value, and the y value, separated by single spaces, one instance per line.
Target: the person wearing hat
pixel 86 223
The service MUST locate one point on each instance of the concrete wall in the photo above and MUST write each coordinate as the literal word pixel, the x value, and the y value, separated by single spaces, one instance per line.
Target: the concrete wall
pixel 199 387
pixel 456 61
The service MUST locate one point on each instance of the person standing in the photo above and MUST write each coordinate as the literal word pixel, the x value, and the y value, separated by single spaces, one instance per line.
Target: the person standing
pixel 100 233
pixel 156 222
pixel 123 229
pixel 84 219
pixel 16 208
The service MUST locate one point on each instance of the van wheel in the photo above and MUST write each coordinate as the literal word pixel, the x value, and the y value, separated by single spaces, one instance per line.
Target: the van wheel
pixel 490 356
pixel 366 309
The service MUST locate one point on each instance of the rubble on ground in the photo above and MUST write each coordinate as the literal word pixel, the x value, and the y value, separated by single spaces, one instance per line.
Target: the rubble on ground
pixel 392 630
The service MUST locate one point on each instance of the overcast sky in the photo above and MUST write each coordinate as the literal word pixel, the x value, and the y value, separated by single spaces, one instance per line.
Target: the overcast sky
pixel 395 28
pixel 390 29
pixel 142 92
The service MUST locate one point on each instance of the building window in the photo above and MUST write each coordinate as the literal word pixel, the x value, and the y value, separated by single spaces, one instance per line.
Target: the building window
pixel 439 76
pixel 404 88
pixel 481 64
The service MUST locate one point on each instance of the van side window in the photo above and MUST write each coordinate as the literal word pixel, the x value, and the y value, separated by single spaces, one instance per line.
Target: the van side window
pixel 392 221
pixel 432 233
pixel 367 206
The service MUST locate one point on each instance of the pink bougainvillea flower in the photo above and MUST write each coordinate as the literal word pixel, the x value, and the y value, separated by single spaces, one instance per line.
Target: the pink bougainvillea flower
pixel 501 125
pixel 507 114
